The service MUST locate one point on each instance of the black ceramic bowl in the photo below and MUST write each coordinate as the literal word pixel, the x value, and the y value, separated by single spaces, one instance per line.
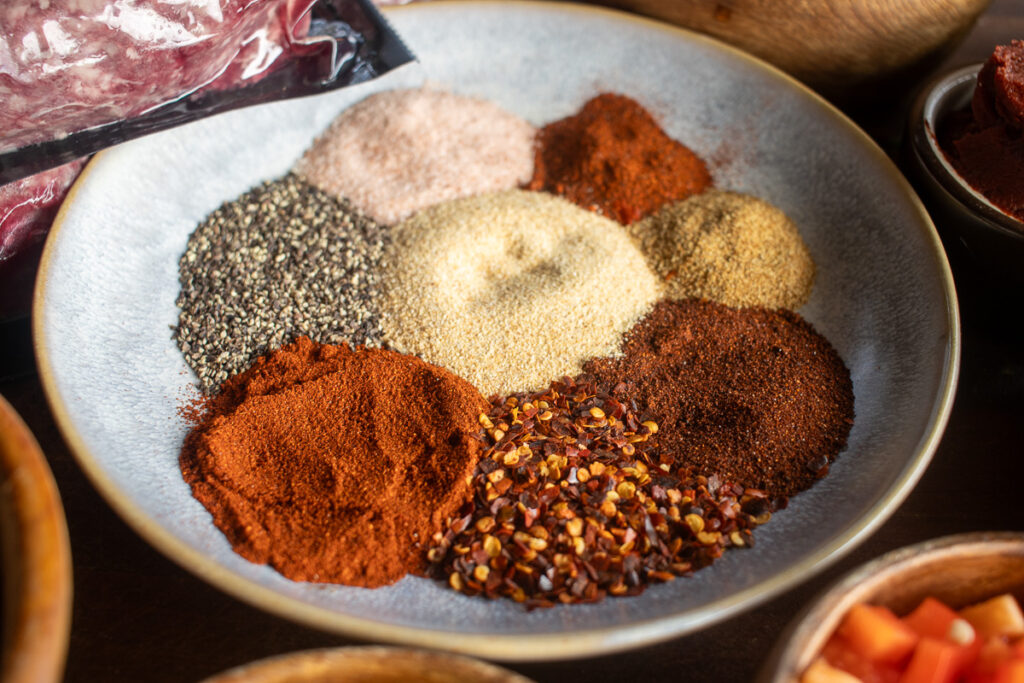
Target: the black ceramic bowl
pixel 993 238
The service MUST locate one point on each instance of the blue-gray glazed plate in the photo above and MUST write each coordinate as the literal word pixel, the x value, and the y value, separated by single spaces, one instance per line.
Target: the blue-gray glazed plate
pixel 884 297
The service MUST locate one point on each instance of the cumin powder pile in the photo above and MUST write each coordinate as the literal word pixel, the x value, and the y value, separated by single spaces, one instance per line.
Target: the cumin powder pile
pixel 729 247
pixel 336 465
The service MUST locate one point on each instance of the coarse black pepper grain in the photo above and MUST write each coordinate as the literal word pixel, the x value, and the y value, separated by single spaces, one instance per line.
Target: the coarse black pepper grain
pixel 283 260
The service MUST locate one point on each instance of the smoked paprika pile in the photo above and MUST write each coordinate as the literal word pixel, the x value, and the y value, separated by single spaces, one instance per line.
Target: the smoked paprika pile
pixel 753 395
pixel 334 465
pixel 612 157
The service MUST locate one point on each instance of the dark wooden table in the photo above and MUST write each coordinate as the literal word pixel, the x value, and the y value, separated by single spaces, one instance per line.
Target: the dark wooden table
pixel 139 617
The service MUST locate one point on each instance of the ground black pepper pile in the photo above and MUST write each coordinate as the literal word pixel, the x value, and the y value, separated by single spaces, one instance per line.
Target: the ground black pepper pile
pixel 283 260
pixel 755 396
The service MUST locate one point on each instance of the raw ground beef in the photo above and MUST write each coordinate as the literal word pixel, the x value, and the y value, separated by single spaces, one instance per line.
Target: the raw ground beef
pixel 27 206
pixel 81 63
pixel 75 64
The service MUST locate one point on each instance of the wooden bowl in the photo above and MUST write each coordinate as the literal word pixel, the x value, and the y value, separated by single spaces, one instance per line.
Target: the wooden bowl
pixel 368 665
pixel 36 559
pixel 838 47
pixel 959 570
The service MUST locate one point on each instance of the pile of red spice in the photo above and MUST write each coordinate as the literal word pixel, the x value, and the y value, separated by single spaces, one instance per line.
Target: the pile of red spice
pixel 573 503
pixel 334 465
pixel 985 144
pixel 612 157
pixel 754 395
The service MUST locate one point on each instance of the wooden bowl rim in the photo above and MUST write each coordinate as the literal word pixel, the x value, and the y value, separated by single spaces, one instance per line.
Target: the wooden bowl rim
pixel 37 559
pixel 314 665
pixel 807 633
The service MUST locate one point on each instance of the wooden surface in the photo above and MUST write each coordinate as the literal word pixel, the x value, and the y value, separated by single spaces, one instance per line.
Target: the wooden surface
pixel 138 617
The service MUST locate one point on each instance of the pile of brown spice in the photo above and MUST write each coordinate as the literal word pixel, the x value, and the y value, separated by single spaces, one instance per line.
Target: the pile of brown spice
pixel 334 465
pixel 574 502
pixel 754 395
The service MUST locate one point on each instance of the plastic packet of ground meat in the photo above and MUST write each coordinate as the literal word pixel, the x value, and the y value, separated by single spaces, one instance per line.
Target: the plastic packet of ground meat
pixel 80 75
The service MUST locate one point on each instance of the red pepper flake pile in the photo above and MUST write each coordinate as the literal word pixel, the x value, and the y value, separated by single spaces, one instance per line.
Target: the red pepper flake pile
pixel 573 502
pixel 613 158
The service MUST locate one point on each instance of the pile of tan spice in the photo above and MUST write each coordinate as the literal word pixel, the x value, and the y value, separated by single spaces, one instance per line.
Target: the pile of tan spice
pixel 728 247
pixel 653 397
pixel 512 289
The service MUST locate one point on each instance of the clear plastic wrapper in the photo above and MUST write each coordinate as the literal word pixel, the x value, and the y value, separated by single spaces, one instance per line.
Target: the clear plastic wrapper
pixel 27 208
pixel 80 75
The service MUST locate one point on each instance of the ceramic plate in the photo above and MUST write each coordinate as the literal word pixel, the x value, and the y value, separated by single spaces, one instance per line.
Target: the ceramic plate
pixel 884 297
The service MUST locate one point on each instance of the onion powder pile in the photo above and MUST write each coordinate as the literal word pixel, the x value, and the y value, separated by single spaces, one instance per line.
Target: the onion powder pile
pixel 512 289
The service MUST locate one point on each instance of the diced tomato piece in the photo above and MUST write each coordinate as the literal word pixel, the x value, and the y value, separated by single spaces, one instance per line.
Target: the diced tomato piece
pixel 839 655
pixel 975 677
pixel 820 671
pixel 1011 671
pixel 877 634
pixel 1000 616
pixel 991 655
pixel 931 619
pixel 968 654
pixel 934 661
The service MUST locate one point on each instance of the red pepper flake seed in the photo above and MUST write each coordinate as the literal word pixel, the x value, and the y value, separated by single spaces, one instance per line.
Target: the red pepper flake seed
pixel 573 501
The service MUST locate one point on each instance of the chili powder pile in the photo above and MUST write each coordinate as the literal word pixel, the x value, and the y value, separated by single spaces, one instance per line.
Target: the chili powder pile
pixel 612 157
pixel 336 465
pixel 754 395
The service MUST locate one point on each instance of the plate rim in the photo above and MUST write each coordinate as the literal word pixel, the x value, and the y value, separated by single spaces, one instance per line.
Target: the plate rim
pixel 546 646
